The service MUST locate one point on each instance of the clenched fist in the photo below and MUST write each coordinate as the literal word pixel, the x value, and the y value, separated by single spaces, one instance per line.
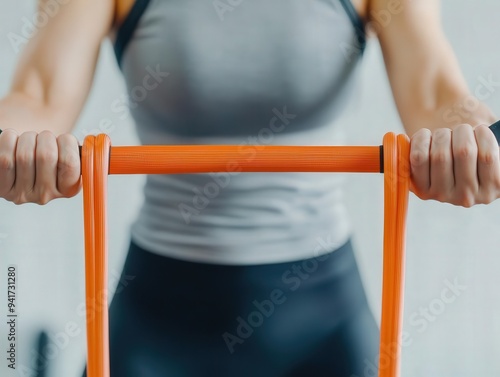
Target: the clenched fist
pixel 38 167
pixel 459 166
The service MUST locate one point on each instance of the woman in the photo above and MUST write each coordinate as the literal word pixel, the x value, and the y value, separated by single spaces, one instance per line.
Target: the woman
pixel 242 274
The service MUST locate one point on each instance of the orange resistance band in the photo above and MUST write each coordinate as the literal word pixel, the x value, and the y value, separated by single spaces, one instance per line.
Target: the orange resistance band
pixel 396 190
pixel 100 159
pixel 178 159
pixel 95 160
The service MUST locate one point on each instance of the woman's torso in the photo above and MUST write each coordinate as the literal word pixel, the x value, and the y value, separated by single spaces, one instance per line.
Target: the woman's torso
pixel 249 72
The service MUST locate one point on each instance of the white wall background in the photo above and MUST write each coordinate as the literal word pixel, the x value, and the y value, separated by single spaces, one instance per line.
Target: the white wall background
pixel 445 243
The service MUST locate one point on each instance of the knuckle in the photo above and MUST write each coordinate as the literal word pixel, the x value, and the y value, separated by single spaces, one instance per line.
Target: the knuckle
pixel 6 162
pixel 442 197
pixel 424 195
pixel 43 198
pixel 465 152
pixel 417 157
pixel 486 198
pixel 24 158
pixel 48 156
pixel 440 157
pixel 68 163
pixel 42 195
pixel 438 195
pixel 465 199
pixel 467 203
pixel 19 199
pixel 69 158
pixel 487 158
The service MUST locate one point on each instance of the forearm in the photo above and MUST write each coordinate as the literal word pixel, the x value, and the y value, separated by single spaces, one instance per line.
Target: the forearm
pixel 55 71
pixel 453 110
pixel 428 85
pixel 433 93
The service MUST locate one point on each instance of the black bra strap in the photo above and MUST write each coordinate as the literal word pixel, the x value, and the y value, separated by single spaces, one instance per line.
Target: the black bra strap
pixel 356 20
pixel 128 27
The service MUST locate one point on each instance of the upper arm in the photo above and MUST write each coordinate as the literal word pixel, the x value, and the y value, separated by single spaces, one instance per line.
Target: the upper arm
pixel 420 63
pixel 57 65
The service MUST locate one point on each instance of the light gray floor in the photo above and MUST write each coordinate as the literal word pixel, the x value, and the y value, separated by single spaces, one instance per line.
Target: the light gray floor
pixel 445 244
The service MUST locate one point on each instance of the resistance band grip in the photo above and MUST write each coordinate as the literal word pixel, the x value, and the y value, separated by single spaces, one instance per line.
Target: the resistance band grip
pixel 381 148
pixel 495 128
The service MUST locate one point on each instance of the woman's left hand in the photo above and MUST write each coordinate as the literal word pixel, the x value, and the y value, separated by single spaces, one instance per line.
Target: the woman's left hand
pixel 460 166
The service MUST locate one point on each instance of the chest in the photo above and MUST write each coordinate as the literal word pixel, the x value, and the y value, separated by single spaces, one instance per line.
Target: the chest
pixel 230 66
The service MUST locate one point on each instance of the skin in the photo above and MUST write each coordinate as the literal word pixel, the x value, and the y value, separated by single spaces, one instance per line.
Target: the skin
pixel 453 160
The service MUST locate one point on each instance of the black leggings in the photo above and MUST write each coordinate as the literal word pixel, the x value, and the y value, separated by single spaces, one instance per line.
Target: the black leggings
pixel 184 319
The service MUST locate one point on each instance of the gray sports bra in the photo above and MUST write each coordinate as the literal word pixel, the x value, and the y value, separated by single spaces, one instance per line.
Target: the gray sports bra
pixel 246 72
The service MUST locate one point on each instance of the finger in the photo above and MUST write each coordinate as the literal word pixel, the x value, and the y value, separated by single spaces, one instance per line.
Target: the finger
pixel 8 141
pixel 419 161
pixel 441 166
pixel 46 167
pixel 488 164
pixel 465 165
pixel 25 167
pixel 68 168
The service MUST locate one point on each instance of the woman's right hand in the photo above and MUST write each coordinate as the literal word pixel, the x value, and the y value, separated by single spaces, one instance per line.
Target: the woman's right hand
pixel 38 167
pixel 48 90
